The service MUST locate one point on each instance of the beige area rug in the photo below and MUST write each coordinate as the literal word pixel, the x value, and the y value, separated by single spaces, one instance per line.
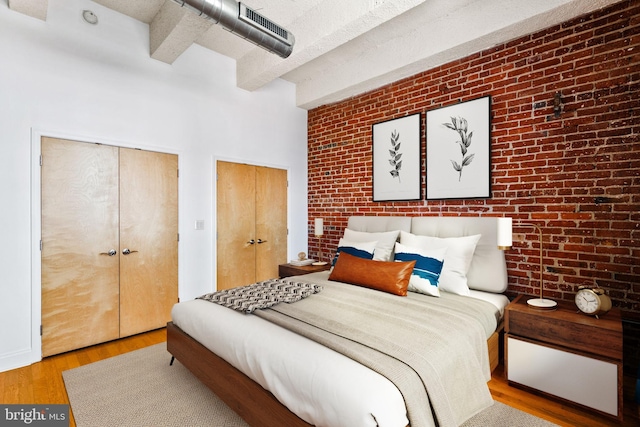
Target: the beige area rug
pixel 141 389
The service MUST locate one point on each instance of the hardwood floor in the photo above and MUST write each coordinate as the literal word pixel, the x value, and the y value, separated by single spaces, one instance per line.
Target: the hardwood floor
pixel 42 383
pixel 561 413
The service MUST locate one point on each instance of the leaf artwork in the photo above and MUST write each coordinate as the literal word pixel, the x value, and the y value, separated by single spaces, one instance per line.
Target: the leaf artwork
pixel 396 156
pixel 459 124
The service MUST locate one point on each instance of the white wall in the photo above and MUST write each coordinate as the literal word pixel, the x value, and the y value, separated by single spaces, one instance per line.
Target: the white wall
pixel 66 78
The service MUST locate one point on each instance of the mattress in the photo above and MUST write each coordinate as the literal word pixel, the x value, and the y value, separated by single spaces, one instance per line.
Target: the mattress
pixel 500 301
pixel 319 385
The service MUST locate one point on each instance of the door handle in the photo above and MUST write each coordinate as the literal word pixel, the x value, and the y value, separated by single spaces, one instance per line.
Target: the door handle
pixel 261 241
pixel 251 242
pixel 127 251
pixel 112 252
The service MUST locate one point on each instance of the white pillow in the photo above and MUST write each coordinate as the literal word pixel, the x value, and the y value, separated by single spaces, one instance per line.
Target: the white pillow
pixel 360 249
pixel 457 259
pixel 386 242
pixel 427 270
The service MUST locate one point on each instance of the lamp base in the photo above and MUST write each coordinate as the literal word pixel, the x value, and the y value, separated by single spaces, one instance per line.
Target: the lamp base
pixel 542 303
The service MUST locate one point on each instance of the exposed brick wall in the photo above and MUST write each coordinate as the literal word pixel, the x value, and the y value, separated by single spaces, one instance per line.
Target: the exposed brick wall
pixel 576 175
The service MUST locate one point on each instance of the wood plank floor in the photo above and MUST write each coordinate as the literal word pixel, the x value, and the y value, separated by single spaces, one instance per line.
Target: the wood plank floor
pixel 41 383
pixel 561 413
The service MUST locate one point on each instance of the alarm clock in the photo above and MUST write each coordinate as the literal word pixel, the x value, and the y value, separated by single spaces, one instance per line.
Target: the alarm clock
pixel 592 301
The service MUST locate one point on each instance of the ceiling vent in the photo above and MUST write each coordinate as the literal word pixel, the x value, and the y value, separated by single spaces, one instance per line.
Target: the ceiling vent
pixel 244 22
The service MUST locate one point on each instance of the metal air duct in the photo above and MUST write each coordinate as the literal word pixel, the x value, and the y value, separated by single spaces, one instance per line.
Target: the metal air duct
pixel 244 22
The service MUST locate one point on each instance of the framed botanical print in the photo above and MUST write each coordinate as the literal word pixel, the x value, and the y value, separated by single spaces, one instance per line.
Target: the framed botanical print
pixel 458 151
pixel 396 159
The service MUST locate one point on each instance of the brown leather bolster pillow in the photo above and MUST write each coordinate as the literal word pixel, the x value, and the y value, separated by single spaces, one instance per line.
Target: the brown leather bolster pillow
pixel 392 277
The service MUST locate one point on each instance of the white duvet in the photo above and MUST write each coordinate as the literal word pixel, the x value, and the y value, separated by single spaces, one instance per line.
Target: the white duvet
pixel 321 386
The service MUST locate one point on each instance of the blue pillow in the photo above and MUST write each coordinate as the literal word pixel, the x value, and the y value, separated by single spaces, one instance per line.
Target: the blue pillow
pixel 360 249
pixel 426 272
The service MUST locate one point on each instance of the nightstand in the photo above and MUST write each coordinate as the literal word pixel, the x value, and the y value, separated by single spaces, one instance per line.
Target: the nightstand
pixel 286 270
pixel 566 354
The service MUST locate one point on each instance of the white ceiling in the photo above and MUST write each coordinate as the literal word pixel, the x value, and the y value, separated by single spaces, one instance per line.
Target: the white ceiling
pixel 345 47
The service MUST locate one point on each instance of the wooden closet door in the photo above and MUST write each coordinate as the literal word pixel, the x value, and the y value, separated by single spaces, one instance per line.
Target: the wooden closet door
pixel 149 230
pixel 79 208
pixel 236 216
pixel 271 221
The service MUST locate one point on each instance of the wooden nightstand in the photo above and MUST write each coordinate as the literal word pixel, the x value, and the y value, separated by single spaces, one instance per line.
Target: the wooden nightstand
pixel 566 354
pixel 286 270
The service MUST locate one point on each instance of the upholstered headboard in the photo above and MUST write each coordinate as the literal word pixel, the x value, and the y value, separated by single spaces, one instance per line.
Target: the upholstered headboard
pixel 378 224
pixel 488 271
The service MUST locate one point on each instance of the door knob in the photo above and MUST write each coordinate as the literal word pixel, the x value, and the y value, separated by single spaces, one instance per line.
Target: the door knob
pixel 112 252
pixel 251 242
pixel 261 241
pixel 127 251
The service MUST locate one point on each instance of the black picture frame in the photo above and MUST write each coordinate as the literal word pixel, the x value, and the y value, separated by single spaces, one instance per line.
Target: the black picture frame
pixel 458 151
pixel 396 158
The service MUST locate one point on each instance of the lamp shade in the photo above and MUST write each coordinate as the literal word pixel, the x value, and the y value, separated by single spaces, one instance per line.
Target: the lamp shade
pixel 318 227
pixel 505 238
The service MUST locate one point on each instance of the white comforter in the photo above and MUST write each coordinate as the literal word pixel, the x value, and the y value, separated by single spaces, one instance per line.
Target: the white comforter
pixel 319 385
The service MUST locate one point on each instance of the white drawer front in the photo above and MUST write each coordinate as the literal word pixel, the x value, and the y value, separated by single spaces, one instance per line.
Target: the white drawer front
pixel 590 382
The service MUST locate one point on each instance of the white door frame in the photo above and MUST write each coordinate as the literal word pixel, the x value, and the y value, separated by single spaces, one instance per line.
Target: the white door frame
pixel 34 354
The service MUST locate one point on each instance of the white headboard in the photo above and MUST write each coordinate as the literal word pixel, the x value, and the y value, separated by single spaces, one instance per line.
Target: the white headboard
pixel 378 224
pixel 488 271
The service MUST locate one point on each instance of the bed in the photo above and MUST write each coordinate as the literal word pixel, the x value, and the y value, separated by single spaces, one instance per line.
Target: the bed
pixel 273 376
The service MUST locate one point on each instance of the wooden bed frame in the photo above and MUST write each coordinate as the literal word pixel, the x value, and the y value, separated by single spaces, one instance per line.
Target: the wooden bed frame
pixel 254 404
pixel 257 406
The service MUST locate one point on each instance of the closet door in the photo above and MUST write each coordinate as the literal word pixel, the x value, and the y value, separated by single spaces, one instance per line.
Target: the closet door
pixel 271 221
pixel 109 242
pixel 148 239
pixel 251 223
pixel 236 217
pixel 79 208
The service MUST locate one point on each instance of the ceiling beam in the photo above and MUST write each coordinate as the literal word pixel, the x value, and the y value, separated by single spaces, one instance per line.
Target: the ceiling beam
pixel 173 30
pixel 34 8
pixel 444 32
pixel 327 26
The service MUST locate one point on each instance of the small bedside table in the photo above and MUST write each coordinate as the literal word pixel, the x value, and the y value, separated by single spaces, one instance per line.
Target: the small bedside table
pixel 566 354
pixel 286 270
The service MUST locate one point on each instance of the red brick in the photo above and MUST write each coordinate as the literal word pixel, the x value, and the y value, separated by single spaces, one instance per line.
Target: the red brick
pixel 545 169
